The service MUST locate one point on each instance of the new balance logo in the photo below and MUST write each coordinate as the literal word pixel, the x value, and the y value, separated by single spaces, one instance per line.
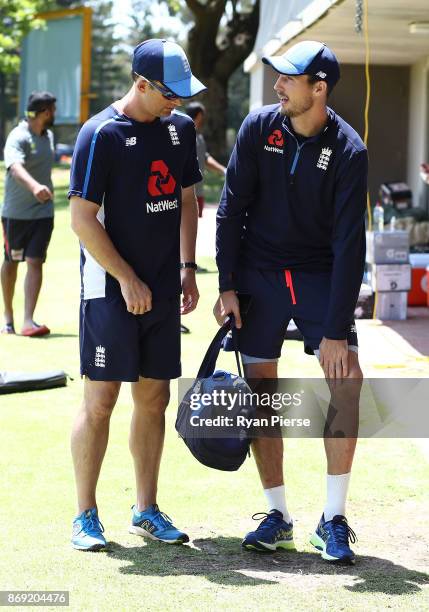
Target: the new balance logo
pixel 130 142
pixel 173 134
pixel 324 158
pixel 100 357
pixel 147 525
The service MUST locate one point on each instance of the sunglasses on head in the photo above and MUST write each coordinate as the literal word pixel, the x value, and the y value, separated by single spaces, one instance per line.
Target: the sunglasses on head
pixel 166 93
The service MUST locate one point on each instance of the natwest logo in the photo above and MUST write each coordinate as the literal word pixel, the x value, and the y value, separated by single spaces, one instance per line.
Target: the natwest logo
pixel 161 206
pixel 160 182
pixel 276 139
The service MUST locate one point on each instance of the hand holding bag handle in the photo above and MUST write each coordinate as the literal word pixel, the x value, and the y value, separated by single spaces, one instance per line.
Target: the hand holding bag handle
pixel 208 364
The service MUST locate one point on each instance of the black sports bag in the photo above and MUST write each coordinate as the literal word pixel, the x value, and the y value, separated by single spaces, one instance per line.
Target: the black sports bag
pixel 223 446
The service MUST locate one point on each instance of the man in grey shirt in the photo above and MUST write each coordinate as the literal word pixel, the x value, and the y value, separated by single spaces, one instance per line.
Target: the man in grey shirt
pixel 197 112
pixel 28 208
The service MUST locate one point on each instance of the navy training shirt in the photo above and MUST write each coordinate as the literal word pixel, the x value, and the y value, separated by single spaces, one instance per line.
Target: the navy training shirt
pixel 135 172
pixel 298 204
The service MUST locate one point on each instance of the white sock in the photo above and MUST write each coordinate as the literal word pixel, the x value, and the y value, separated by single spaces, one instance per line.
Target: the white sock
pixel 276 500
pixel 336 494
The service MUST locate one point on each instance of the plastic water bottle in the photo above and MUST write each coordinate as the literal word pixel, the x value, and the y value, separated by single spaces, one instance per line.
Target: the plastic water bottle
pixel 378 217
pixel 393 224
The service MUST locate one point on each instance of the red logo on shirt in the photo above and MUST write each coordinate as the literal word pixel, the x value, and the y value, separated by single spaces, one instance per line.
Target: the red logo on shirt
pixel 160 182
pixel 276 139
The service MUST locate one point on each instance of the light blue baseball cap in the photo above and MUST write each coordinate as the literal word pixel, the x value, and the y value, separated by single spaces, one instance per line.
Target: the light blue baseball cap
pixel 165 61
pixel 307 57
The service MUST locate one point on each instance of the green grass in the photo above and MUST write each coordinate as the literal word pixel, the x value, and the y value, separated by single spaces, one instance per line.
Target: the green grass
pixel 213 184
pixel 387 506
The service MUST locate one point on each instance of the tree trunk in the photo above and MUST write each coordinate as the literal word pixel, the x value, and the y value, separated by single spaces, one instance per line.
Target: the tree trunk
pixel 215 99
pixel 215 52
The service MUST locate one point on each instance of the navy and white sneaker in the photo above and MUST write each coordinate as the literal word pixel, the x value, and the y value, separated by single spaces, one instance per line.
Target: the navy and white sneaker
pixel 331 538
pixel 272 533
pixel 154 524
pixel 88 531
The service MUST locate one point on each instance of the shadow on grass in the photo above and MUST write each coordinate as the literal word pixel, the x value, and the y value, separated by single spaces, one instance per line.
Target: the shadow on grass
pixel 222 561
pixel 61 336
pixel 51 335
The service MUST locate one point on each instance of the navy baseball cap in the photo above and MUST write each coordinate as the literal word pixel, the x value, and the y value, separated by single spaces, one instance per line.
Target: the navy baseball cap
pixel 307 57
pixel 40 100
pixel 165 61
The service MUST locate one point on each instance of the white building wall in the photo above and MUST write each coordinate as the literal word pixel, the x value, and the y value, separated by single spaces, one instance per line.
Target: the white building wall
pixel 256 86
pixel 418 137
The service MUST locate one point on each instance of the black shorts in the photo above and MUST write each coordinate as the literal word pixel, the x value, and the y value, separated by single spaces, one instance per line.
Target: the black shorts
pixel 117 345
pixel 278 297
pixel 26 238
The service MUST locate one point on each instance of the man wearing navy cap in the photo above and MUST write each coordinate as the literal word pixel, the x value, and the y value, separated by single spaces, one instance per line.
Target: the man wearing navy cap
pixel 290 232
pixel 134 210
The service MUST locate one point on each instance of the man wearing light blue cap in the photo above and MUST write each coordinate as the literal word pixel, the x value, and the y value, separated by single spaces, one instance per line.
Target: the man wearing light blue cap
pixel 291 233
pixel 134 210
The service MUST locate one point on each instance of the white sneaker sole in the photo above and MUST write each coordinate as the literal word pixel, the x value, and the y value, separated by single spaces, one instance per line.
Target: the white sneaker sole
pixel 320 545
pixel 283 544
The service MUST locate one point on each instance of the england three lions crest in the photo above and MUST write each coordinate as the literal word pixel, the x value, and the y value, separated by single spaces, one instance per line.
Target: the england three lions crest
pixel 324 158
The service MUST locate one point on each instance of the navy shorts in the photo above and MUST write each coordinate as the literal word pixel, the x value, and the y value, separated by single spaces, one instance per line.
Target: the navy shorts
pixel 277 297
pixel 117 345
pixel 26 238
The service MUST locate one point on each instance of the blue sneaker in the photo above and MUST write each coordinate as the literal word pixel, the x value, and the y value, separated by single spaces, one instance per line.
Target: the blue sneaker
pixel 154 524
pixel 332 539
pixel 272 533
pixel 88 531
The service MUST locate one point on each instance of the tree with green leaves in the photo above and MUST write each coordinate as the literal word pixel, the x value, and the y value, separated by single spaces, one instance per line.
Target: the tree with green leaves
pixel 109 64
pixel 17 19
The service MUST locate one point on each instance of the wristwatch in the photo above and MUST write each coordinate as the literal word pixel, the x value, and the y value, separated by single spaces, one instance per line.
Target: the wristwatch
pixel 188 264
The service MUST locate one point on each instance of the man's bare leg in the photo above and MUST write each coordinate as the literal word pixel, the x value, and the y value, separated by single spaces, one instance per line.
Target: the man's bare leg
pixel 333 533
pixel 345 396
pixel 341 436
pixel 32 285
pixel 268 452
pixel 147 430
pixel 90 436
pixel 9 271
pixel 272 533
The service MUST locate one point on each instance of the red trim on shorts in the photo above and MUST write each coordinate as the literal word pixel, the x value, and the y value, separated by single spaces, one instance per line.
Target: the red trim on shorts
pixel 289 284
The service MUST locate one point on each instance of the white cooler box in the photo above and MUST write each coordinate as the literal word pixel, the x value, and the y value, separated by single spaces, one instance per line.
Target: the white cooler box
pixel 391 306
pixel 387 247
pixel 390 277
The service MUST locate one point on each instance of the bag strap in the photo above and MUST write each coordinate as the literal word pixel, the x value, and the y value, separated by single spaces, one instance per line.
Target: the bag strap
pixel 208 364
